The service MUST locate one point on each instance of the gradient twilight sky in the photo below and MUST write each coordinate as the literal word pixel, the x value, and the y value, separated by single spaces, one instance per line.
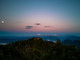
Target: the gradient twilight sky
pixel 43 16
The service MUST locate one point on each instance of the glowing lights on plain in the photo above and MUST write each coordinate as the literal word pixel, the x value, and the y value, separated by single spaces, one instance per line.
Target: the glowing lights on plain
pixel 38 34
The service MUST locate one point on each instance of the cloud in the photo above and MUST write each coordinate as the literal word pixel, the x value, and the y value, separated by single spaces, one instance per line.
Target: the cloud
pixel 29 27
pixel 37 24
pixel 47 26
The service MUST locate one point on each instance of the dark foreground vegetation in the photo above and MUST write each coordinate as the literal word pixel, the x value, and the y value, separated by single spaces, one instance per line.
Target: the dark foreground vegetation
pixel 38 49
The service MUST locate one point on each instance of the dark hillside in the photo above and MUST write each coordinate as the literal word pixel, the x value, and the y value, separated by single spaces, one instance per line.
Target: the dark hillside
pixel 38 49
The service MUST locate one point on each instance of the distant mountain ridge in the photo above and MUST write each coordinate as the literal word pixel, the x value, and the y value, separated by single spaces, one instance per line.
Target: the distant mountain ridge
pixel 70 42
pixel 50 37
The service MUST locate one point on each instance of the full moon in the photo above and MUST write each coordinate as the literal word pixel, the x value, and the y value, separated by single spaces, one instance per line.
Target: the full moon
pixel 2 21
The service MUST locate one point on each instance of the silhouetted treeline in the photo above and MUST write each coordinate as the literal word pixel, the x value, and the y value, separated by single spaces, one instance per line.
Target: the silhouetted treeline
pixel 38 49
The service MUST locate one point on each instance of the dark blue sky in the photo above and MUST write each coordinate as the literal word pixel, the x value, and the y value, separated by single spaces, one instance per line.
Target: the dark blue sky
pixel 60 16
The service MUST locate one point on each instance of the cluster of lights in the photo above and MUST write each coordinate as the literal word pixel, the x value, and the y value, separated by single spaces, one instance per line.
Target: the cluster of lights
pixel 38 34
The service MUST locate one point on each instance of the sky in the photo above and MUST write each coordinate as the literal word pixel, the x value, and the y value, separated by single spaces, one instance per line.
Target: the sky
pixel 29 17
